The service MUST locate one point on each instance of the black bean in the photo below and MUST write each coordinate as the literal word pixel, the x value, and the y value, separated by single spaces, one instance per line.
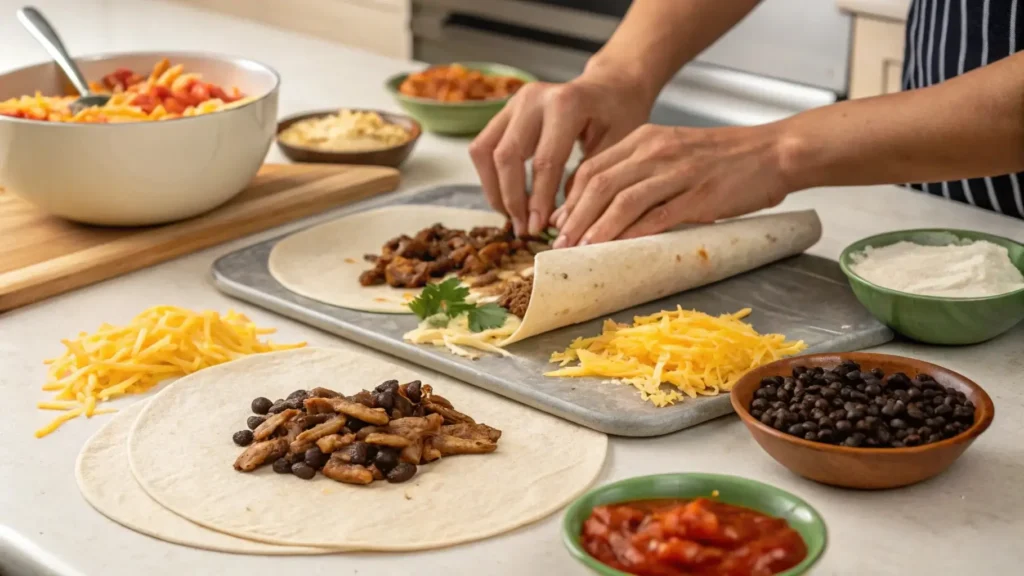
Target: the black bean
pixel 303 470
pixel 837 414
pixel 883 435
pixel 844 426
pixel 853 441
pixel 899 407
pixel 877 373
pixel 757 414
pixel 897 444
pixel 934 438
pixel 901 434
pixel 810 426
pixel 282 466
pixel 277 407
pixel 777 404
pixel 242 437
pixel 385 400
pixel 355 425
pixel 914 411
pixel 899 379
pixel 825 422
pixel 937 422
pixel 818 370
pixel 386 459
pixel 898 423
pixel 853 375
pixel 924 431
pixel 821 404
pixel 358 453
pixel 261 405
pixel 780 423
pixel 387 385
pixel 799 371
pixel 315 458
pixel 759 403
pixel 825 435
pixel 766 418
pixel 844 393
pixel 943 410
pixel 960 395
pixel 860 387
pixel 859 396
pixel 300 394
pixel 872 421
pixel 914 392
pixel 759 393
pixel 857 414
pixel 837 402
pixel 961 413
pixel 770 391
pixel 938 401
pixel 401 472
pixel 929 393
pixel 912 440
pixel 829 393
pixel 873 410
pixel 782 394
pixel 862 425
pixel 796 430
pixel 873 390
pixel 789 385
pixel 253 421
pixel 810 436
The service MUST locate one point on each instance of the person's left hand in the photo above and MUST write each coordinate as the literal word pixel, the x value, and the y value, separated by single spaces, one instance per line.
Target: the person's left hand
pixel 660 176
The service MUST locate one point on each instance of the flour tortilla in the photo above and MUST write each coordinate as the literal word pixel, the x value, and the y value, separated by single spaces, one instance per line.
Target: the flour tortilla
pixel 583 283
pixel 181 453
pixel 324 262
pixel 570 285
pixel 106 481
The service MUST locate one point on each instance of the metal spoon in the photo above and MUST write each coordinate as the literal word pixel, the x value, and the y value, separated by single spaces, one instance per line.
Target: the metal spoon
pixel 40 28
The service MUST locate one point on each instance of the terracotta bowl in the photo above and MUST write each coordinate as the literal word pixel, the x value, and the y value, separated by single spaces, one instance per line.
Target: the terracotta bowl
pixel 393 156
pixel 863 468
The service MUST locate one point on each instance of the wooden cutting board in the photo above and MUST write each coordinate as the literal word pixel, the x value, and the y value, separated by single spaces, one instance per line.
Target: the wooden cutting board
pixel 41 255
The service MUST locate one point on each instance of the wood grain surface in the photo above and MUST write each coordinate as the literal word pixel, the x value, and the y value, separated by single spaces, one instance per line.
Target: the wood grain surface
pixel 41 255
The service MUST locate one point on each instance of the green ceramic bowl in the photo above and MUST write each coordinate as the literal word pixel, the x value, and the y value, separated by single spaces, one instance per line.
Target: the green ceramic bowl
pixel 456 118
pixel 731 490
pixel 934 319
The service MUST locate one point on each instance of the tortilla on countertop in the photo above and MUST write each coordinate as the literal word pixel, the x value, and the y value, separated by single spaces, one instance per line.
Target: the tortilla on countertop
pixel 181 453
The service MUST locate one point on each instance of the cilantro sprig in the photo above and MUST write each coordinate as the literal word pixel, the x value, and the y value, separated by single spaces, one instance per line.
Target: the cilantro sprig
pixel 440 303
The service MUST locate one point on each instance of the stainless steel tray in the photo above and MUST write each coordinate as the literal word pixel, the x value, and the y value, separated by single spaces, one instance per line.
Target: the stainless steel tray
pixel 805 297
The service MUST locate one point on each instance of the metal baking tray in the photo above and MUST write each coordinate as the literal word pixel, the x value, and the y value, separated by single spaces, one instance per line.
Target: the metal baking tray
pixel 804 297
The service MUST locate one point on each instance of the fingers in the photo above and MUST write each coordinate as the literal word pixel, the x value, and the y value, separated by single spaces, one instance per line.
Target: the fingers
pixel 481 151
pixel 691 207
pixel 510 156
pixel 630 205
pixel 599 193
pixel 609 155
pixel 558 135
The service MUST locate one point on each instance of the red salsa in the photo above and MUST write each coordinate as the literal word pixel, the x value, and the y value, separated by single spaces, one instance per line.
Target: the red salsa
pixel 698 537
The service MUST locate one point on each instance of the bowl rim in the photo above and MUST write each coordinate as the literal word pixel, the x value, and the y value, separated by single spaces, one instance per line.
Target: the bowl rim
pixel 985 406
pixel 415 132
pixel 393 81
pixel 571 539
pixel 169 54
pixel 863 243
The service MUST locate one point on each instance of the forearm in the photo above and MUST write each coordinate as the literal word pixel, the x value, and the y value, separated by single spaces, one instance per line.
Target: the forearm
pixel 657 37
pixel 967 127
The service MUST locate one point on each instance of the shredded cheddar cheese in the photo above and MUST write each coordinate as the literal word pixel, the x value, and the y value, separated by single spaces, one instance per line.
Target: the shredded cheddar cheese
pixel 162 342
pixel 457 335
pixel 695 353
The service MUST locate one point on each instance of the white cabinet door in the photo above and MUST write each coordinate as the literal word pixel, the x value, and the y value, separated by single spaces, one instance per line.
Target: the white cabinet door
pixel 877 57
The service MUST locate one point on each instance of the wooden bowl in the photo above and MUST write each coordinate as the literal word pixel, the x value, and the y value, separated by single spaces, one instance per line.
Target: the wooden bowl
pixel 393 156
pixel 863 468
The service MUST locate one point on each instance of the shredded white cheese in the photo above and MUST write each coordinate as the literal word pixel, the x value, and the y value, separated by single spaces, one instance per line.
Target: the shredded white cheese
pixel 457 335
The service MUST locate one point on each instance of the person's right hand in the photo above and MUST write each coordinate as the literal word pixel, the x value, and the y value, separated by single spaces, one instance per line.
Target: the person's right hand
pixel 543 121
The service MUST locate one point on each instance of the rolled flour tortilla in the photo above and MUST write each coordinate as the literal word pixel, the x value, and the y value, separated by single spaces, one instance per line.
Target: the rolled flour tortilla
pixel 181 453
pixel 324 262
pixel 106 481
pixel 583 283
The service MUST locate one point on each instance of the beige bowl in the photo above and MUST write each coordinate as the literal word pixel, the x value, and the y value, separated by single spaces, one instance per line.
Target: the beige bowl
pixel 138 173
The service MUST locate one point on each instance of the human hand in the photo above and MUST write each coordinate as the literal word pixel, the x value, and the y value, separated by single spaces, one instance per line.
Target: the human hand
pixel 661 176
pixel 543 121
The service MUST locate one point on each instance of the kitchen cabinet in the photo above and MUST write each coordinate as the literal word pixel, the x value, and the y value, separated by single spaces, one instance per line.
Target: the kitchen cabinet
pixel 876 62
pixel 377 26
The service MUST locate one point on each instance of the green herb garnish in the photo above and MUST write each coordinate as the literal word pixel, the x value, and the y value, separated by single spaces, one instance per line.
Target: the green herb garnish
pixel 439 303
pixel 549 234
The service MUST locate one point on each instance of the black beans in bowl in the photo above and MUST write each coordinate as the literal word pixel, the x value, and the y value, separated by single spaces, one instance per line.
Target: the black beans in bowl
pixel 847 406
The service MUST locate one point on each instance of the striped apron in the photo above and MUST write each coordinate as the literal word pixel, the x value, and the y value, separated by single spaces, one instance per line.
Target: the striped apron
pixel 946 38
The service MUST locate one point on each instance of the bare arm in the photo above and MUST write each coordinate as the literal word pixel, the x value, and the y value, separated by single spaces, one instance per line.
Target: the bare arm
pixel 657 37
pixel 967 127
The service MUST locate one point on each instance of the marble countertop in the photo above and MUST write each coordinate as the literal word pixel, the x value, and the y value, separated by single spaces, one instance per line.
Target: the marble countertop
pixel 960 522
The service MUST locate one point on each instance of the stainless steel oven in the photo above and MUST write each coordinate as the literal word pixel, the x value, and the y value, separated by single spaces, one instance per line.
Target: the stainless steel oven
pixel 787 56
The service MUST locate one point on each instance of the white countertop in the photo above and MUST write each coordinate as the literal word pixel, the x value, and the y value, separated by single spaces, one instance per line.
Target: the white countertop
pixel 960 522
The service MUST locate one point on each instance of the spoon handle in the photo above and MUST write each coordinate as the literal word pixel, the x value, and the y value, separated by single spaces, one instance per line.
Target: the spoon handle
pixel 40 28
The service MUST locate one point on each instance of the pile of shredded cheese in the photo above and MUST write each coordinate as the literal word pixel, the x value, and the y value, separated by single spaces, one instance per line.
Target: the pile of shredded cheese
pixel 696 353
pixel 162 342
pixel 457 335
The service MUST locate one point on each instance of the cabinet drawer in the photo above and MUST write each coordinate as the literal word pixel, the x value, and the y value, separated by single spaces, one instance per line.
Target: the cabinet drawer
pixel 877 62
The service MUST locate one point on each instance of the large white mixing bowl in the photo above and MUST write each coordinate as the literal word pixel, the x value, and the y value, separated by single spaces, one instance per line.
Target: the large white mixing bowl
pixel 140 173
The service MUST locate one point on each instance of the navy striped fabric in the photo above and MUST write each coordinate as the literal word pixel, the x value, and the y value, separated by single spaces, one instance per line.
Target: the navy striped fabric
pixel 946 38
